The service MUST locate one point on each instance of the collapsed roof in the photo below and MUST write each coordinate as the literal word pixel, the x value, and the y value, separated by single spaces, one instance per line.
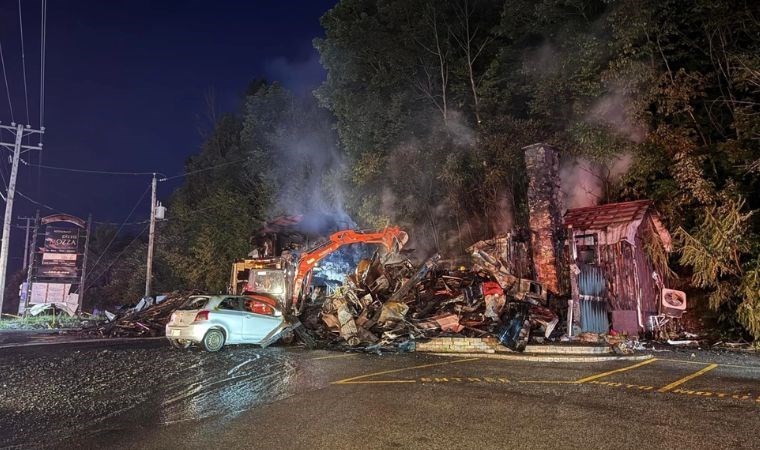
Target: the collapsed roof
pixel 615 222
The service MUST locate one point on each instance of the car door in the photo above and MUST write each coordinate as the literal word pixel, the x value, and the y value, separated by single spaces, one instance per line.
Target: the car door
pixel 229 314
pixel 259 320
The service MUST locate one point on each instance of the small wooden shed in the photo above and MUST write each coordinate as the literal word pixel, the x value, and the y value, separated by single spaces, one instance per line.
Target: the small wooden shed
pixel 614 252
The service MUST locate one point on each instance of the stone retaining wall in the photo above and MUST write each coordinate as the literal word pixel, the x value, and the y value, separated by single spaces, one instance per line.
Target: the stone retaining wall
pixel 491 345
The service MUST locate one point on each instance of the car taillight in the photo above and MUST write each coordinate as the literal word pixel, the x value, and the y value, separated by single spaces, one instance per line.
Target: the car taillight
pixel 202 315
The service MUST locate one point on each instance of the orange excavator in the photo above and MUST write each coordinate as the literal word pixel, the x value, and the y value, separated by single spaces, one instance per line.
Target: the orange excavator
pixel 284 279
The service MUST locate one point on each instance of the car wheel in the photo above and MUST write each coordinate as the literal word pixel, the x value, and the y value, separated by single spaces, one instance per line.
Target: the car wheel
pixel 213 341
pixel 182 345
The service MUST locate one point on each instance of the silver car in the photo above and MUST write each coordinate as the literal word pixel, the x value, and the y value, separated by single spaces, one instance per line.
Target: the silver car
pixel 215 320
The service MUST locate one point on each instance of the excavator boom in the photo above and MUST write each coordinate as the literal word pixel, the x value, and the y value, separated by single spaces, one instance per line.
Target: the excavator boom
pixel 387 238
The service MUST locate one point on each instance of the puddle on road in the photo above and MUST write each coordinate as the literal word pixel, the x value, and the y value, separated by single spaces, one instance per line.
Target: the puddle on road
pixel 224 384
pixel 93 392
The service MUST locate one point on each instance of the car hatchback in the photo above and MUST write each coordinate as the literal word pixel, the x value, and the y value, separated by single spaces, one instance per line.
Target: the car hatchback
pixel 216 320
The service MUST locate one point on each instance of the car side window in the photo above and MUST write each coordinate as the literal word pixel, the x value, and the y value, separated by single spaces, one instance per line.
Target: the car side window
pixel 258 307
pixel 230 304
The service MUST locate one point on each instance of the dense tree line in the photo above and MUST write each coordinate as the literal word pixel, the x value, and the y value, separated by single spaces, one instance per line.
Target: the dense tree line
pixel 427 104
pixel 661 98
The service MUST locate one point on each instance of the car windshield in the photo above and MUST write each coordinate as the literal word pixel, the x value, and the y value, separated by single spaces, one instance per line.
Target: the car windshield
pixel 267 281
pixel 194 303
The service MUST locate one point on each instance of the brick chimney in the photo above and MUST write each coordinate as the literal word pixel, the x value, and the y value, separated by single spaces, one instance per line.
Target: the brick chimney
pixel 544 214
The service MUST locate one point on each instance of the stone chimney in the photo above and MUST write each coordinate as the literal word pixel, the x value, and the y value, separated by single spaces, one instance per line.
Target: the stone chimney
pixel 544 214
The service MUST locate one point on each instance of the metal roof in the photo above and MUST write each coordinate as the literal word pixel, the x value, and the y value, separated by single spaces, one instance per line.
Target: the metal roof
pixel 604 216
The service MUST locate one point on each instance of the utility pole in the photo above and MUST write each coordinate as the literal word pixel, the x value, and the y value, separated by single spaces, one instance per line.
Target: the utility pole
pixel 26 227
pixel 84 263
pixel 151 236
pixel 30 268
pixel 20 131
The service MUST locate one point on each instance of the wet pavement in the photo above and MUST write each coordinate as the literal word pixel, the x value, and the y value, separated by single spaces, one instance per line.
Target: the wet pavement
pixel 148 395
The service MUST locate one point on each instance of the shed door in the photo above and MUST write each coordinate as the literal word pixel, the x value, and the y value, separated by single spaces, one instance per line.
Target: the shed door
pixel 593 305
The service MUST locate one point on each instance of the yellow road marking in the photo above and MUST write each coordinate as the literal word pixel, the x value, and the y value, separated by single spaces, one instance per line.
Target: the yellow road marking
pixel 352 380
pixel 604 374
pixel 687 378
pixel 547 381
pixel 335 356
pixel 707 363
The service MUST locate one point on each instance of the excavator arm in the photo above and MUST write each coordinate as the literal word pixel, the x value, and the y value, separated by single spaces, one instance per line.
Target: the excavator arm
pixel 388 237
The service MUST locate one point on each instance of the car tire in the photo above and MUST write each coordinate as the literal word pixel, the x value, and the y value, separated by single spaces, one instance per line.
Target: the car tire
pixel 213 341
pixel 182 345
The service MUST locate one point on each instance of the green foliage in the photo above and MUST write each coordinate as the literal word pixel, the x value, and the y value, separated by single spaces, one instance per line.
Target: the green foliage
pixel 671 85
pixel 721 254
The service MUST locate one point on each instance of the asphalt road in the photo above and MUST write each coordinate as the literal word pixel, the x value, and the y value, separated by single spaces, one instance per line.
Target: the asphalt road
pixel 152 396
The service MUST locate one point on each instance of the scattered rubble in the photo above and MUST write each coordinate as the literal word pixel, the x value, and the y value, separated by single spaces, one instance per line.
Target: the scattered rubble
pixel 388 302
pixel 147 318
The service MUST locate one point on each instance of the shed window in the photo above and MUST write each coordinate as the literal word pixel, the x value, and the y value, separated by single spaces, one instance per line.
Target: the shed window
pixel 586 248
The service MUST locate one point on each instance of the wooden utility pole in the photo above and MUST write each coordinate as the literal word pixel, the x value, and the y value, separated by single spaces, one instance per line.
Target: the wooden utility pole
pixel 84 263
pixel 20 131
pixel 26 227
pixel 30 268
pixel 149 270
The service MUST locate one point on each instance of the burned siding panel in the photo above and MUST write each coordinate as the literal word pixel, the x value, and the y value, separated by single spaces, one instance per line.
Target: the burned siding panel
pixel 649 291
pixel 623 232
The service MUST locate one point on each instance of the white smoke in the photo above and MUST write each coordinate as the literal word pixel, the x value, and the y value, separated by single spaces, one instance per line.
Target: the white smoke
pixel 583 182
pixel 614 111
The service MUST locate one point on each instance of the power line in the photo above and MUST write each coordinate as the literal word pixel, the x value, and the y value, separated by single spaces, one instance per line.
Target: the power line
pixel 54 209
pixel 109 172
pixel 23 59
pixel 105 250
pixel 140 222
pixel 43 42
pixel 21 194
pixel 93 171
pixel 203 170
pixel 105 271
pixel 43 59
pixel 5 76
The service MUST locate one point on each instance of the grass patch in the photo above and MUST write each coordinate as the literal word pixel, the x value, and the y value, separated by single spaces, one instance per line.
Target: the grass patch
pixel 40 322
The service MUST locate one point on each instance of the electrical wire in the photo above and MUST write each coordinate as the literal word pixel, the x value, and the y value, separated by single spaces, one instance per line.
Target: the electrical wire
pixel 43 59
pixel 2 170
pixel 43 48
pixel 105 250
pixel 51 208
pixel 204 169
pixel 140 222
pixel 46 206
pixel 93 171
pixel 5 76
pixel 105 271
pixel 109 172
pixel 23 60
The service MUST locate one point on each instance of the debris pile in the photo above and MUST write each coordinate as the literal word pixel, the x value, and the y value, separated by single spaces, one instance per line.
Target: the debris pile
pixel 388 301
pixel 147 318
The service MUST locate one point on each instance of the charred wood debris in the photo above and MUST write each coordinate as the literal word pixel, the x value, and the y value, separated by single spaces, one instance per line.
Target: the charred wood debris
pixel 147 318
pixel 389 303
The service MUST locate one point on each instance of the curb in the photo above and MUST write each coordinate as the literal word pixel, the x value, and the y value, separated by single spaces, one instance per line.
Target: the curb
pixel 37 330
pixel 547 358
pixel 115 341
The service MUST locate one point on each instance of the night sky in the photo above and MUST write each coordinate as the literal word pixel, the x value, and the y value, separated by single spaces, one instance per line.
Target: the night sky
pixel 126 88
